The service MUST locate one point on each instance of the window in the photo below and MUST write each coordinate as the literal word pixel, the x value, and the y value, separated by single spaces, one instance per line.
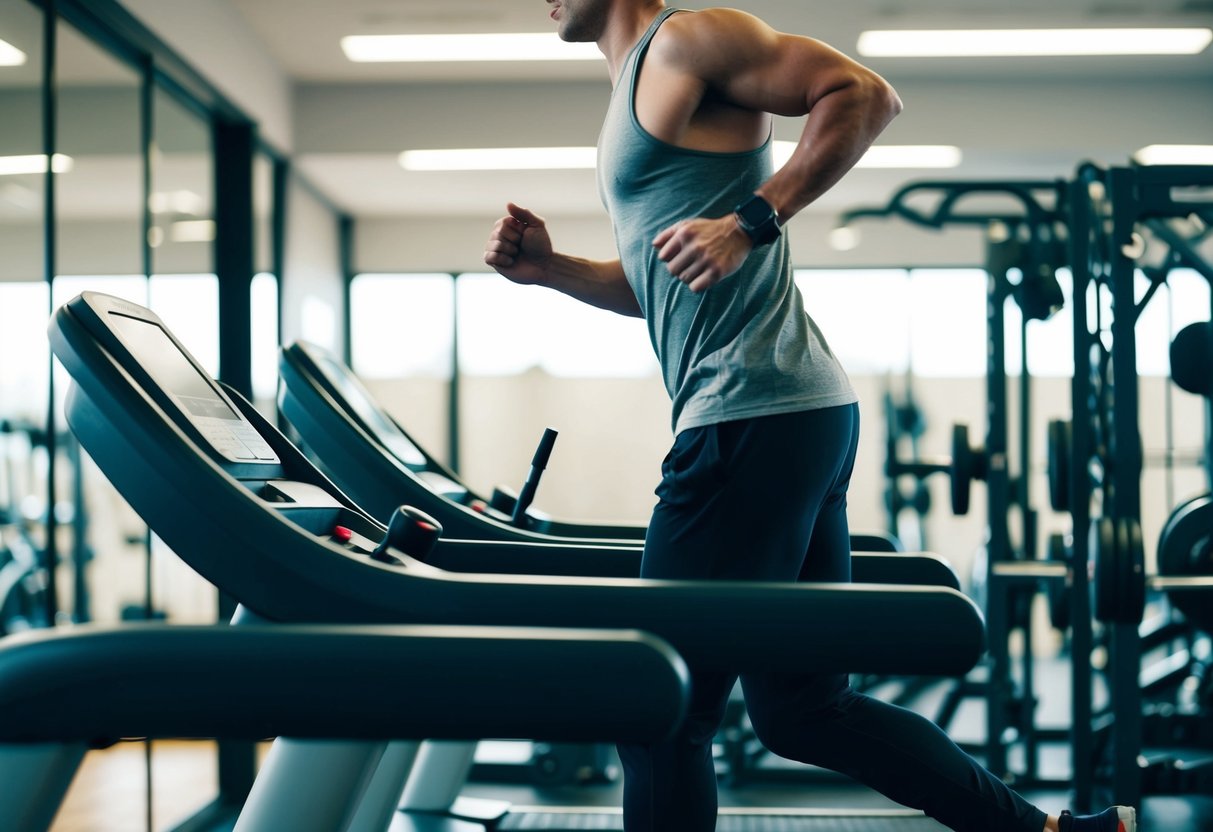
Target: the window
pixel 24 351
pixel 402 325
pixel 265 338
pixel 506 329
pixel 1184 300
pixel 1050 343
pixel 948 322
pixel 862 315
pixel 931 321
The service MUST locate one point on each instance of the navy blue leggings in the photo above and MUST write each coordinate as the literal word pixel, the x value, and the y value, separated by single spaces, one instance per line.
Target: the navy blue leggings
pixel 765 499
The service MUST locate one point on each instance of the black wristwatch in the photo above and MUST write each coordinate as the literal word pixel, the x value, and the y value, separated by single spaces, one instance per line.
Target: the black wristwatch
pixel 758 220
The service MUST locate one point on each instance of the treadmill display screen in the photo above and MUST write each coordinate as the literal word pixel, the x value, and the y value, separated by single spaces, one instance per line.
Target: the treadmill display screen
pixel 169 367
pixel 360 402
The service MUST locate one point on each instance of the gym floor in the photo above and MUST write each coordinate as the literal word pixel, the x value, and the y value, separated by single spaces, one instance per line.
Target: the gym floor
pixel 109 793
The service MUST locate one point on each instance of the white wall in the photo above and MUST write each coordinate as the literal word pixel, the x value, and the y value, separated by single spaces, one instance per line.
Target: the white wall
pixel 216 40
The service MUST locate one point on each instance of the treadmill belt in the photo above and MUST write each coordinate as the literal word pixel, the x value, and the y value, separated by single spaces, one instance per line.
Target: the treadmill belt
pixel 735 821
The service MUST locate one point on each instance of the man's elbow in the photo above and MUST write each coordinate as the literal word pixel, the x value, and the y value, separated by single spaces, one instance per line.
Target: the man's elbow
pixel 893 101
pixel 883 99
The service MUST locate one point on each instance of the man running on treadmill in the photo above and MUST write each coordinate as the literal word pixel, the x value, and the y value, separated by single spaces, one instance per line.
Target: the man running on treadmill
pixel 766 422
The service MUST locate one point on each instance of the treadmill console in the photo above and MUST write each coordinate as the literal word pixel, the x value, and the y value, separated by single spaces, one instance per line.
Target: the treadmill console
pixel 231 433
pixel 200 401
pixel 362 407
pixel 196 399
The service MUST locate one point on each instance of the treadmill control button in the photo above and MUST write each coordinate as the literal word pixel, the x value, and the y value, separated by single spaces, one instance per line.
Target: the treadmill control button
pixel 342 534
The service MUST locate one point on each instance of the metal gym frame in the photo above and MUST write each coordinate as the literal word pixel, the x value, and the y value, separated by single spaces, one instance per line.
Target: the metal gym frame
pixel 1024 238
pixel 1106 209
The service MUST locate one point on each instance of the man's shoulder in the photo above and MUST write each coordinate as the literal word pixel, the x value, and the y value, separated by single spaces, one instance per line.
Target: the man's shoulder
pixel 715 21
pixel 688 38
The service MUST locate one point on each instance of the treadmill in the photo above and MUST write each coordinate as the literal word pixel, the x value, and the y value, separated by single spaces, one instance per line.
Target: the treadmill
pixel 381 466
pixel 312 682
pixel 248 511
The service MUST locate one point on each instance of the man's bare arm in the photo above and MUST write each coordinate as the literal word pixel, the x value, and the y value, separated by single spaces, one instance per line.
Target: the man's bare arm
pixel 599 283
pixel 737 57
pixel 520 249
pixel 755 67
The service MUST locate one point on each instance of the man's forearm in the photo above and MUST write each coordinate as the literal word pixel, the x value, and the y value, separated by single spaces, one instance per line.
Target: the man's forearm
pixel 841 128
pixel 600 283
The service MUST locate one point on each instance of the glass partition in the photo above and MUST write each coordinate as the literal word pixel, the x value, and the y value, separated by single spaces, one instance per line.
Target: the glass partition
pixel 98 247
pixel 264 288
pixel 23 296
pixel 182 189
pixel 183 289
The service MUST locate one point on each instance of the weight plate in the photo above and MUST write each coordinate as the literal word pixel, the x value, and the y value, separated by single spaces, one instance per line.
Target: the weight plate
pixel 1058 592
pixel 1132 606
pixel 1185 549
pixel 1175 541
pixel 1103 554
pixel 1059 449
pixel 1192 358
pixel 962 469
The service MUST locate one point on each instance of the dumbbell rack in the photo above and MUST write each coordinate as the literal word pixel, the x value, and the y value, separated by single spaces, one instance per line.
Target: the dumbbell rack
pixel 1106 207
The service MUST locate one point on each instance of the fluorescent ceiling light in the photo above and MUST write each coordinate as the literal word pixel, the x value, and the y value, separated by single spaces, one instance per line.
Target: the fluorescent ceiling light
pixel 907 156
pixel 15 165
pixel 501 158
pixel 981 43
pixel 538 46
pixel 10 55
pixel 1175 154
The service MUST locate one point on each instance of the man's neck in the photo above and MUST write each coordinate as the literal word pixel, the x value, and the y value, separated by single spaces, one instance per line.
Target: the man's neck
pixel 629 20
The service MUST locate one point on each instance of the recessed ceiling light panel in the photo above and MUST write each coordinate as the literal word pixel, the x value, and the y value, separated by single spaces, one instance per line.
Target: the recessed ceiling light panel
pixel 1001 43
pixel 526 46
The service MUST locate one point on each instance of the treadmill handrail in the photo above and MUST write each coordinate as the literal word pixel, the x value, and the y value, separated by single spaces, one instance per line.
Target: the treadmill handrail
pixel 253 682
pixel 587 560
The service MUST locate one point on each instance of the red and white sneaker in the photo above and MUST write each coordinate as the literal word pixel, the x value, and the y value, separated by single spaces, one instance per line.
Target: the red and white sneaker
pixel 1112 819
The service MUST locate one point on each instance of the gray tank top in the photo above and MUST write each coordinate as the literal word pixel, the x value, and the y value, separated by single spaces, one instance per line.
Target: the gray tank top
pixel 745 347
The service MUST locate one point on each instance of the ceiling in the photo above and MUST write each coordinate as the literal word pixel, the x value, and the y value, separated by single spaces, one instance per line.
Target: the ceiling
pixel 303 35
pixel 363 177
pixel 1012 118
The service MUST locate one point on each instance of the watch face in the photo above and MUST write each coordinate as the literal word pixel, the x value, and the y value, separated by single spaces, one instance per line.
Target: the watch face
pixel 758 220
pixel 755 210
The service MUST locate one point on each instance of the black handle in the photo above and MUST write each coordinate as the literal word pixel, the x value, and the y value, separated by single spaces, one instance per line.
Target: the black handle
pixel 538 462
pixel 411 531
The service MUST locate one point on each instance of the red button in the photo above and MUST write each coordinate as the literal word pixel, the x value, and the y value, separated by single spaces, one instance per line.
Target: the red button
pixel 426 527
pixel 341 534
pixel 479 506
